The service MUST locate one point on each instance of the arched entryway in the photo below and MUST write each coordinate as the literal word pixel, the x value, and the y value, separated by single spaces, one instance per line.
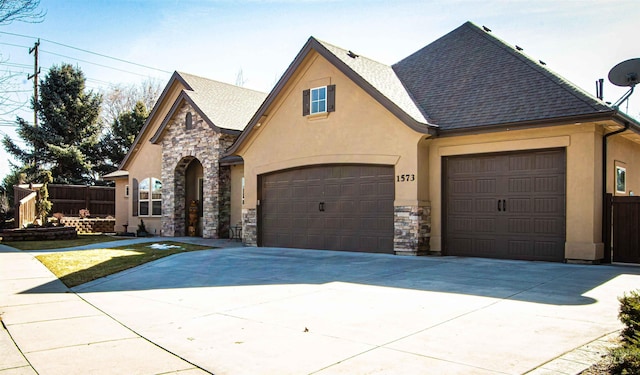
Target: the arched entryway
pixel 193 197
pixel 188 186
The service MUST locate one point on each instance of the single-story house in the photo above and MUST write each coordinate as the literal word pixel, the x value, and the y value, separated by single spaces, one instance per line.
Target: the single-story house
pixel 177 158
pixel 466 147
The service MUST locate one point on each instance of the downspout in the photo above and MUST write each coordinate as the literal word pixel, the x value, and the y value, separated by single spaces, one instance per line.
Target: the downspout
pixel 607 257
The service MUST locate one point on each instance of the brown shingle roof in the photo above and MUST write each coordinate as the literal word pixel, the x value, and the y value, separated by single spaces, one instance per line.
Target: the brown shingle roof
pixel 469 78
pixel 227 106
pixel 381 77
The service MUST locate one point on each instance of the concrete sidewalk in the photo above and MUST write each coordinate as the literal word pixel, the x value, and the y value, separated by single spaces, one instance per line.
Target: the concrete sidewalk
pixel 287 311
pixel 55 331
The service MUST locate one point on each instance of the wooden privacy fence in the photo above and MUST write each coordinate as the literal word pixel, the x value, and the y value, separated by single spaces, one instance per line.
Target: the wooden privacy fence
pixel 67 199
pixel 70 199
pixel 624 219
pixel 25 207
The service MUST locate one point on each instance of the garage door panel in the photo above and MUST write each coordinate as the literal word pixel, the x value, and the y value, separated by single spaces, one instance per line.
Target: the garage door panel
pixel 546 249
pixel 386 189
pixel 520 249
pixel 513 201
pixel 520 163
pixel 519 225
pixel 548 226
pixel 366 206
pixel 335 201
pixel 486 205
pixel 347 206
pixel 550 161
pixel 518 205
pixel 520 185
pixel 461 205
pixel 332 223
pixel 486 225
pixel 485 186
pixel 460 223
pixel 458 186
pixel 549 184
pixel 548 205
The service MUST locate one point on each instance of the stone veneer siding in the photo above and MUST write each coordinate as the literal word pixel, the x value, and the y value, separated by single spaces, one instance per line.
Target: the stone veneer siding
pixel 179 147
pixel 249 227
pixel 412 225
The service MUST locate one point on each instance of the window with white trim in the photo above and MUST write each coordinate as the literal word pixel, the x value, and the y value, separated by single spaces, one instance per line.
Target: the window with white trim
pixel 150 197
pixel 319 100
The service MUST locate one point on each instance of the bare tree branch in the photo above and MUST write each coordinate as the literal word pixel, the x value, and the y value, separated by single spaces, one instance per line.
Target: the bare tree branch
pixel 20 10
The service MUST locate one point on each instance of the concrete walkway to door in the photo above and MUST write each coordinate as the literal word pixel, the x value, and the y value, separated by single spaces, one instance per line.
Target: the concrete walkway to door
pixel 288 311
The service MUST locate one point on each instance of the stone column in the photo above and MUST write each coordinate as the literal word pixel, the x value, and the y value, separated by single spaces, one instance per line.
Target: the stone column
pixel 249 227
pixel 412 225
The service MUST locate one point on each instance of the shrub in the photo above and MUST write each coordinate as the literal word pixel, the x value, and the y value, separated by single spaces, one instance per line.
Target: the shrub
pixel 625 359
pixel 629 315
pixel 43 204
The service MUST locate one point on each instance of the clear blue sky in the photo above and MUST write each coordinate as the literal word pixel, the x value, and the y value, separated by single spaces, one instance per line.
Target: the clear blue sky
pixel 580 40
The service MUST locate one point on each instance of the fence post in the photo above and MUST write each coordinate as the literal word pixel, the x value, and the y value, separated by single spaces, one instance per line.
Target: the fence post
pixel 86 197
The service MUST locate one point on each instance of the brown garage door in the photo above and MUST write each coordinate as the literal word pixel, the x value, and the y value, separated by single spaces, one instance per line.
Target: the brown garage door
pixel 506 205
pixel 334 207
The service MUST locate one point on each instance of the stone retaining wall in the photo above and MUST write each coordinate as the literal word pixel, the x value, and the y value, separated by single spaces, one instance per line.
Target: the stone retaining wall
pixel 90 225
pixel 39 234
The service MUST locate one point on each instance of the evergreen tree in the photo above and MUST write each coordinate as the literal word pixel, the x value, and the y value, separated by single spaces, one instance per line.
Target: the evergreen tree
pixel 43 204
pixel 118 139
pixel 65 139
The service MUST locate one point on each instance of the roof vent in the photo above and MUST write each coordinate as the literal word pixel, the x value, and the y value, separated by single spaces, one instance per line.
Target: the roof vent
pixel 352 54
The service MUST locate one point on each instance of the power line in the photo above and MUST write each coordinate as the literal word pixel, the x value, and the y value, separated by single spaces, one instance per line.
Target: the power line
pixel 89 62
pixel 87 51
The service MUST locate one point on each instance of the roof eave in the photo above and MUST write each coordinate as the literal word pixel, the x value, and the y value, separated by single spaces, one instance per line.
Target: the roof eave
pixel 174 77
pixel 530 124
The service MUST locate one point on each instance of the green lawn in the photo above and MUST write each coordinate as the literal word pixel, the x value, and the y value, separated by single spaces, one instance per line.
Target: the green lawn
pixel 83 239
pixel 78 267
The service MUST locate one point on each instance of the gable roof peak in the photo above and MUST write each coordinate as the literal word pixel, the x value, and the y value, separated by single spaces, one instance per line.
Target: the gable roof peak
pixel 470 78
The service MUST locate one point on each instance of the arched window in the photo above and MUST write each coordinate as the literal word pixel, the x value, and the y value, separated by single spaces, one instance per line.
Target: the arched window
pixel 188 121
pixel 150 197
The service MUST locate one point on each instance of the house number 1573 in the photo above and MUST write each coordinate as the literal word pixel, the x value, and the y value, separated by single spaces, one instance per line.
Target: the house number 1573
pixel 406 177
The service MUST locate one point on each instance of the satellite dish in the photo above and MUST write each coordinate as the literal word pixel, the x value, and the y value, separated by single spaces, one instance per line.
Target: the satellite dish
pixel 625 74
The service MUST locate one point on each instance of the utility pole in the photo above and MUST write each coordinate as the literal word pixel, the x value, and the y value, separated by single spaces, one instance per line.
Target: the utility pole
pixel 34 76
pixel 36 71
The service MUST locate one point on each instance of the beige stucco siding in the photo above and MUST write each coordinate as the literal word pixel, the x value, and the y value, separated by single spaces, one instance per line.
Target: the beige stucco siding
pixel 147 165
pixel 145 161
pixel 359 131
pixel 624 153
pixel 237 174
pixel 122 203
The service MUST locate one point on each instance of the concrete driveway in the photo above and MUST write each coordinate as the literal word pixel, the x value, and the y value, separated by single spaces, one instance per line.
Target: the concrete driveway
pixel 287 311
pixel 284 311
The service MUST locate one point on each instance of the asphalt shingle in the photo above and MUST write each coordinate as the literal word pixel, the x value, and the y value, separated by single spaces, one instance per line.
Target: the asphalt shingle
pixel 227 106
pixel 469 78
